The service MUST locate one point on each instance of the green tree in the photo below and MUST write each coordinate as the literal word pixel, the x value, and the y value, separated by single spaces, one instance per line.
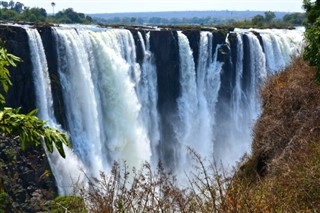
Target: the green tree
pixel 18 7
pixel 133 20
pixel 9 15
pixel 312 34
pixel 34 14
pixel 11 4
pixel 294 18
pixel 30 129
pixel 312 9
pixel 269 16
pixel 5 4
pixel 258 20
pixel 70 16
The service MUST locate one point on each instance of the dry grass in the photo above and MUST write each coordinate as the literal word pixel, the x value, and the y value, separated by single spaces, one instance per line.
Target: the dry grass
pixel 283 171
pixel 290 118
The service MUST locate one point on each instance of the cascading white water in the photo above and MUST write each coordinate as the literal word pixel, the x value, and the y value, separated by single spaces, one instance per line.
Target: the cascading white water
pixel 208 85
pixel 244 105
pixel 197 102
pixel 204 116
pixel 126 136
pixel 237 126
pixel 40 73
pixel 187 102
pixel 64 173
pixel 111 101
pixel 277 53
pixel 238 93
pixel 148 96
pixel 79 97
pixel 258 73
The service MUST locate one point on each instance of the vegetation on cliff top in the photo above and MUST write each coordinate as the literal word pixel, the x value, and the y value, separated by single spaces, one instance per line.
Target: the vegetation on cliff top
pixel 312 34
pixel 261 21
pixel 18 12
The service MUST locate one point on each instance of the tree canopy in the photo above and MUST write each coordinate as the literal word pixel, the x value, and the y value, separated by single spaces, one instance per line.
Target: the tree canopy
pixel 70 16
pixel 16 11
pixel 312 34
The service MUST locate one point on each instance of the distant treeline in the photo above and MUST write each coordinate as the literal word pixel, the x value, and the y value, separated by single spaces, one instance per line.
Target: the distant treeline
pixel 258 20
pixel 16 11
pixel 11 11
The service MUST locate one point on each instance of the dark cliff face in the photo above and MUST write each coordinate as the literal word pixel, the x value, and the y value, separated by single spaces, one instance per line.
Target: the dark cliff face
pixel 194 42
pixel 164 45
pixel 138 44
pixel 219 37
pixel 259 38
pixel 228 55
pixel 50 48
pixel 22 93
pixel 227 73
pixel 246 76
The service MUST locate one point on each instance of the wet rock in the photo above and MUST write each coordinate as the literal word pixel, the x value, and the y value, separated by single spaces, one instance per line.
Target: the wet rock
pixel 22 93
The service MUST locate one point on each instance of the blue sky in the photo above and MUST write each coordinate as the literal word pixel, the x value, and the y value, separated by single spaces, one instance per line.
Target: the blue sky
pixel 113 6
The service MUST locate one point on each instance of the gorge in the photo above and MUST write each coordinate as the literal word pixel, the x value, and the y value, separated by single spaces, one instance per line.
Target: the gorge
pixel 145 94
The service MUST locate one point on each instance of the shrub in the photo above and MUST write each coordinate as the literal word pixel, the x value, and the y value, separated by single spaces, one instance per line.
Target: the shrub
pixel 70 204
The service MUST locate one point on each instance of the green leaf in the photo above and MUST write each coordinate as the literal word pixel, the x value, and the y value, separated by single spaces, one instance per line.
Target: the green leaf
pixel 49 144
pixel 30 129
pixel 33 112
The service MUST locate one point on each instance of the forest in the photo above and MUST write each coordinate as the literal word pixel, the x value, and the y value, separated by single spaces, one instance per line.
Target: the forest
pixel 18 12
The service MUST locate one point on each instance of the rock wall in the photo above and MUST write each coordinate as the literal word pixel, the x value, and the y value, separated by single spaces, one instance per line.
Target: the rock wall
pixel 49 44
pixel 164 45
pixel 22 93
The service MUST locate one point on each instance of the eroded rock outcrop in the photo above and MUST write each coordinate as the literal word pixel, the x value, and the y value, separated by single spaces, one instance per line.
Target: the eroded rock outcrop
pixel 22 93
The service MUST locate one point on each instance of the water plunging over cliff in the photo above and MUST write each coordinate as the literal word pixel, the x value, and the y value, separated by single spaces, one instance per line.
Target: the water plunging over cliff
pixel 147 96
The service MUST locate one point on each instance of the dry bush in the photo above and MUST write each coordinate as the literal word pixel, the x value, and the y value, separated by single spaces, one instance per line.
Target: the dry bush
pixel 149 190
pixel 283 172
pixel 290 118
pixel 293 188
pixel 141 191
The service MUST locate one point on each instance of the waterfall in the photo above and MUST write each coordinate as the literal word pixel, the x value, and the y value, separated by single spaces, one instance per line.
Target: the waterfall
pixel 187 103
pixel 127 137
pixel 257 72
pixel 79 97
pixel 148 96
pixel 111 100
pixel 64 173
pixel 208 84
pixel 238 93
pixel 41 78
